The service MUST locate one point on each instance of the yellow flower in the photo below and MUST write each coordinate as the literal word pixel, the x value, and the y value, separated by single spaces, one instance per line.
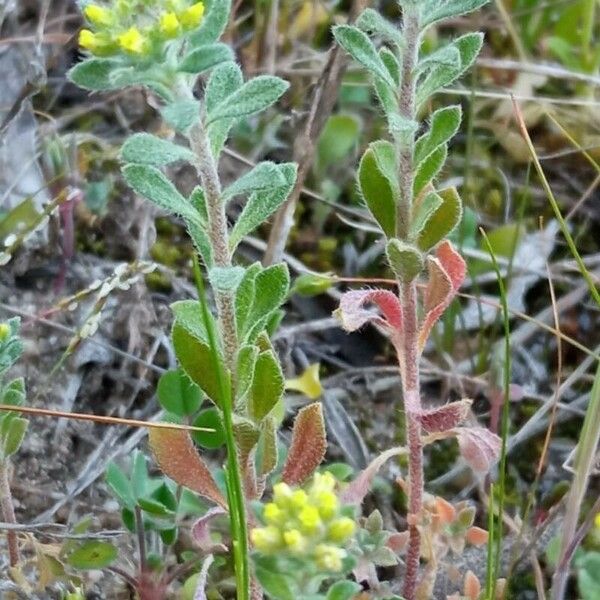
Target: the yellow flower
pixel 169 24
pixel 597 520
pixel 266 539
pixel 341 530
pixel 192 16
pixel 273 514
pixel 329 558
pixel 88 40
pixel 282 494
pixel 309 519
pixel 298 500
pixel 132 41
pixel 327 503
pixel 323 482
pixel 97 14
pixel 295 541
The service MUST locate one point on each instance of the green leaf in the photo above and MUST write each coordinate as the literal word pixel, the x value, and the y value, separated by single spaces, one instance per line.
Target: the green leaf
pixel 267 386
pixel 371 22
pixel 139 474
pixel 226 279
pixel 152 78
pixel 252 97
pixel 120 485
pixel 406 260
pixel 263 177
pixel 147 149
pixel 205 57
pixel 150 183
pixel 199 235
pixel 246 360
pixel 422 211
pixel 277 585
pixel 14 392
pixel 444 125
pixel 209 418
pixel 245 297
pixel 312 284
pixel 188 314
pixel 94 74
pixel 271 288
pixel 391 64
pixel 442 75
pixel 442 221
pixel 213 23
pixel 93 555
pixel 338 138
pixel 362 50
pixel 182 114
pixel 155 508
pixel 343 590
pixel 262 205
pixel 432 11
pixel 196 358
pixel 401 128
pixel 266 453
pixel 377 186
pixel 13 434
pixel 177 394
pixel 430 168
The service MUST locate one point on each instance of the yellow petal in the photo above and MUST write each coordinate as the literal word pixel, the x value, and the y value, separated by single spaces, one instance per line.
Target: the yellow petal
pixel 308 383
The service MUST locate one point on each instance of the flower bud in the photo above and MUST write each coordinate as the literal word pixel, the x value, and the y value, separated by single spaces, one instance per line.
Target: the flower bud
pixel 295 541
pixel 4 331
pixel 266 539
pixel 329 558
pixel 132 41
pixel 169 24
pixel 341 530
pixel 97 15
pixel 192 16
pixel 309 519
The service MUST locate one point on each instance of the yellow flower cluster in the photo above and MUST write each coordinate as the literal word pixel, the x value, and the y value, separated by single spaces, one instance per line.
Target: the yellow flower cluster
pixel 306 523
pixel 136 27
pixel 4 331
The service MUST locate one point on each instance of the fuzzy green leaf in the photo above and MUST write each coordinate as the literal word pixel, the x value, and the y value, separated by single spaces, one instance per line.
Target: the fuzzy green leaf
pixel 430 168
pixel 267 386
pixel 198 228
pixel 442 75
pixel 188 314
pixel 245 297
pixel 253 96
pixel 14 392
pixel 422 211
pixel 433 11
pixel 226 279
pixel 362 50
pixel 339 136
pixel 147 149
pixel 371 22
pixel 378 187
pixel 263 177
pixel 211 419
pixel 386 97
pixel 444 125
pixel 391 64
pixel 442 221
pixel 196 360
pixel 151 78
pixel 406 260
pixel 94 74
pixel 276 585
pixel 177 394
pixel 153 185
pixel 271 287
pixel 343 590
pixel 246 361
pixel 205 57
pixel 213 23
pixel 12 434
pixel 262 205
pixel 266 455
pixel 181 115
pixel 120 485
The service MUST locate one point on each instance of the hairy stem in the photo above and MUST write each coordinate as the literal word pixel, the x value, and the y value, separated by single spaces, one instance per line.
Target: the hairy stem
pixel 409 350
pixel 8 514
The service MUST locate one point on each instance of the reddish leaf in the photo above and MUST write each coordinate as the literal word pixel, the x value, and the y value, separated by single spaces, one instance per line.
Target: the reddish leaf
pixel 354 315
pixel 201 531
pixel 472 587
pixel 445 511
pixel 356 490
pixel 477 536
pixel 308 446
pixel 177 458
pixel 478 446
pixel 445 417
pixel 446 274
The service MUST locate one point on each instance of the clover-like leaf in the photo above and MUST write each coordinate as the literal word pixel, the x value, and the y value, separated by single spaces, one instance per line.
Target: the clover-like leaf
pixel 308 447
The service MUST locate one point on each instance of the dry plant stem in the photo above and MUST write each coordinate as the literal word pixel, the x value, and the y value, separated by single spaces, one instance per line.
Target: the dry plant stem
pixel 409 350
pixel 8 514
pixel 217 229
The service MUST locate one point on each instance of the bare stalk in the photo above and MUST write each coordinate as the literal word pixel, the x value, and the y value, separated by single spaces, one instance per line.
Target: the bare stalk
pixel 409 347
pixel 8 514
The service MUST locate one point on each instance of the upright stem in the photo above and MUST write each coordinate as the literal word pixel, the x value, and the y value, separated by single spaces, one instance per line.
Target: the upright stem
pixel 8 514
pixel 409 347
pixel 219 238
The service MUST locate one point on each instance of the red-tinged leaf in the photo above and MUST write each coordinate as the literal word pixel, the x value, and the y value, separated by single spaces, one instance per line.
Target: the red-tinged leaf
pixel 472 587
pixel 445 511
pixel 445 417
pixel 308 446
pixel 353 314
pixel 398 541
pixel 177 458
pixel 479 447
pixel 201 531
pixel 477 536
pixel 356 490
pixel 446 274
